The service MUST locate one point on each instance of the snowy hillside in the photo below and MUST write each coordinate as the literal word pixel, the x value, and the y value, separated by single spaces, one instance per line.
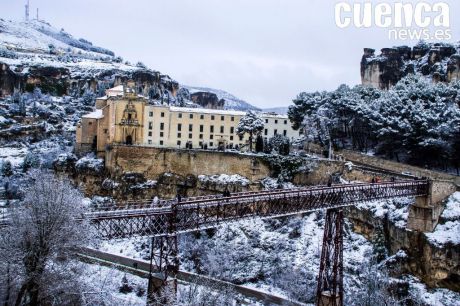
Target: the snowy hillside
pixel 278 110
pixel 37 43
pixel 37 36
pixel 231 102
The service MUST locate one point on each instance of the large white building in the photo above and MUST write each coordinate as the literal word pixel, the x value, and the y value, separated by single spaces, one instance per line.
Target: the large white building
pixel 170 126
pixel 123 117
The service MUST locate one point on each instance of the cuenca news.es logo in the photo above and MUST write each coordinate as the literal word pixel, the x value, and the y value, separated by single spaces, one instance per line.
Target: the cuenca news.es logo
pixel 414 21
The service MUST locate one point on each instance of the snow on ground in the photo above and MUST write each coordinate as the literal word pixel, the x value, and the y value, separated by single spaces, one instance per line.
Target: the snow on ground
pixel 397 210
pixel 452 210
pixel 90 162
pixel 37 36
pixel 224 179
pixel 448 230
pixel 36 43
pixel 137 247
pixel 270 183
pixel 104 284
pixel 14 154
pixel 436 297
pixel 278 256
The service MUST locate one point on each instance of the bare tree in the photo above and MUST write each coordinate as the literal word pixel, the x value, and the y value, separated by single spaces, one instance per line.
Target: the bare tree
pixel 374 288
pixel 43 232
pixel 206 293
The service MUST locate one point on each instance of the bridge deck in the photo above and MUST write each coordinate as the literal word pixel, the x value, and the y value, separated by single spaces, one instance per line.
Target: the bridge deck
pixel 146 219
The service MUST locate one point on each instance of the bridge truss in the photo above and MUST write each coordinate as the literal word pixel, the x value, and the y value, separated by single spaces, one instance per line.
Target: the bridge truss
pixel 165 219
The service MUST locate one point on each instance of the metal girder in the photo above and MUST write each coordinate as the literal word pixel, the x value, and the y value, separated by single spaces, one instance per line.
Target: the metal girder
pixel 164 221
pixel 204 212
pixel 164 261
pixel 330 278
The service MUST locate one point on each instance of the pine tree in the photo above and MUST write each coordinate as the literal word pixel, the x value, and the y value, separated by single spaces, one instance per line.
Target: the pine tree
pixel 280 144
pixel 250 124
pixel 7 168
pixel 259 144
pixel 380 251
pixel 30 161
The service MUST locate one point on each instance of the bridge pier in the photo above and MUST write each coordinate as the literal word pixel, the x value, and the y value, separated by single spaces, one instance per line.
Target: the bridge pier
pixel 330 280
pixel 425 212
pixel 165 264
pixel 423 217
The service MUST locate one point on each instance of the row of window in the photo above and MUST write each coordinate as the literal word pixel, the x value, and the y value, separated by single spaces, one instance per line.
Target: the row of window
pixel 162 114
pixel 190 136
pixel 211 130
pixel 275 132
pixel 200 144
pixel 276 121
pixel 190 128
pixel 222 118
pixel 179 115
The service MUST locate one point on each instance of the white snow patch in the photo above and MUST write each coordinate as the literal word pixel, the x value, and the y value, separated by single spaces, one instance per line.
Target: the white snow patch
pixel 448 232
pixel 14 155
pixel 224 179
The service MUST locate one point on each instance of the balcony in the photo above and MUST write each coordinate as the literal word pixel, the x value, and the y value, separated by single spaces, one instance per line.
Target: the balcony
pixel 134 122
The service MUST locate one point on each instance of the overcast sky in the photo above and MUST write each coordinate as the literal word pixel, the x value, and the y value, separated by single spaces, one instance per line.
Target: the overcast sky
pixel 263 51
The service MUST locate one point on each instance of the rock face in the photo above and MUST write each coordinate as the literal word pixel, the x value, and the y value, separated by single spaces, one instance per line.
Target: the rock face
pixel 8 80
pixel 60 81
pixel 436 266
pixel 439 61
pixel 207 100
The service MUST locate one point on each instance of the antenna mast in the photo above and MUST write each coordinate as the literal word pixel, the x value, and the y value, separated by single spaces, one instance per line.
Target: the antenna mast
pixel 27 10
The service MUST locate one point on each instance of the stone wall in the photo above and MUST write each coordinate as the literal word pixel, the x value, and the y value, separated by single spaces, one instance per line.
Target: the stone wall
pixel 320 173
pixel 397 167
pixel 153 162
pixel 425 212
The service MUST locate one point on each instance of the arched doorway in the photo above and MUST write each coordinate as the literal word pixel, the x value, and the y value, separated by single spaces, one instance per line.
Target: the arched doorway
pixel 129 140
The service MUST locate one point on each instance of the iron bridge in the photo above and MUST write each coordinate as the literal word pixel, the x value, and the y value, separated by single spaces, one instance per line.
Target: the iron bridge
pixel 163 220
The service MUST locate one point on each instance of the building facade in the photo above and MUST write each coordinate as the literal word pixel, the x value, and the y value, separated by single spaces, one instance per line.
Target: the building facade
pixel 123 117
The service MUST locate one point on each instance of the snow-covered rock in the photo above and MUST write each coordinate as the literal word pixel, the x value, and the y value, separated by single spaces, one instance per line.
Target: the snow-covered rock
pixel 224 179
pixel 448 231
pixel 90 163
pixel 231 102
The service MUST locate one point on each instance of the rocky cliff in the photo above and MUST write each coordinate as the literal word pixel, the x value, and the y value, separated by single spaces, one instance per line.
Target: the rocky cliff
pixel 438 61
pixel 207 100
pixel 35 55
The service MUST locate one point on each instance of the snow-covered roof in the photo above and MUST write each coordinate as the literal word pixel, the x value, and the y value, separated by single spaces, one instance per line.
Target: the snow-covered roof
pixel 115 91
pixel 97 114
pixel 206 111
pixel 273 115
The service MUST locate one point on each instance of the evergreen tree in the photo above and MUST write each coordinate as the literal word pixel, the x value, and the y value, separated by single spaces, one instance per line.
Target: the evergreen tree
pixel 30 161
pixel 416 120
pixel 259 144
pixel 251 124
pixel 280 144
pixel 380 251
pixel 88 97
pixel 7 168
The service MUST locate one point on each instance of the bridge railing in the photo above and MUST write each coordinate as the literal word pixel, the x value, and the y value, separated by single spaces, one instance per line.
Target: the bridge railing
pixel 151 204
pixel 192 214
